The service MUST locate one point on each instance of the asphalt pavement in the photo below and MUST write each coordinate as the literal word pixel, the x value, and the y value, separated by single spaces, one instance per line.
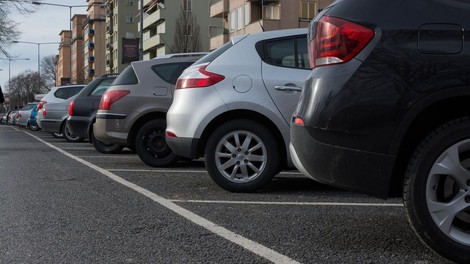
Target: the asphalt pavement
pixel 64 202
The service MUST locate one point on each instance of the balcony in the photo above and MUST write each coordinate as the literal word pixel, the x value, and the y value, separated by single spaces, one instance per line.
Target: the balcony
pixel 219 9
pixel 109 28
pixel 153 42
pixel 218 41
pixel 109 46
pixel 154 18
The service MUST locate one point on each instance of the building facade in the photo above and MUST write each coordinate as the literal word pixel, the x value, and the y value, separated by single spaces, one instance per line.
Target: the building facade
pixel 175 26
pixel 63 59
pixel 252 16
pixel 94 41
pixel 122 36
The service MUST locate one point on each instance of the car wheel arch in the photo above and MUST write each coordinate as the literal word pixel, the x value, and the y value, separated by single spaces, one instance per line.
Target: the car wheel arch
pixel 243 114
pixel 139 122
pixel 420 120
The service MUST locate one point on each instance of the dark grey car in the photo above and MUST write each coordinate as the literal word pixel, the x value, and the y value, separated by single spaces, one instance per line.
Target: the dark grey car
pixel 132 111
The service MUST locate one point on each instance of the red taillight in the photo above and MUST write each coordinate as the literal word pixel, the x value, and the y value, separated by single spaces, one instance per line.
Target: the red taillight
pixel 44 112
pixel 18 115
pixel 40 105
pixel 71 108
pixel 299 121
pixel 170 134
pixel 337 41
pixel 109 97
pixel 198 78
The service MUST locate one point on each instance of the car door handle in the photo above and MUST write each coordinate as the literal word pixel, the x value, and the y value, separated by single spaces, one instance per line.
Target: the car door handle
pixel 287 88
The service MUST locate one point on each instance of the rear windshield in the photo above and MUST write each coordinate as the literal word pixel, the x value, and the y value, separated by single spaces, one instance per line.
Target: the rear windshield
pixel 67 92
pixel 170 72
pixel 126 77
pixel 102 87
pixel 28 107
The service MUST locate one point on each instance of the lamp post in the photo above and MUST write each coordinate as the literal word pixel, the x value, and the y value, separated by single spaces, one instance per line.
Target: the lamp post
pixel 70 25
pixel 39 51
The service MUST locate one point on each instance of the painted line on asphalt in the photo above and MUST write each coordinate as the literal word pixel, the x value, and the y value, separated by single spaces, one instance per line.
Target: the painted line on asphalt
pixel 246 243
pixel 290 203
pixel 106 156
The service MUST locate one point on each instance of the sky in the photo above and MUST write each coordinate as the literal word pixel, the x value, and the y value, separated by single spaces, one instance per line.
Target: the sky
pixel 44 25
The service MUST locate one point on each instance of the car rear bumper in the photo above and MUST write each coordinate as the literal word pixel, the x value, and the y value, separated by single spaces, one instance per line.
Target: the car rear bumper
pixel 51 125
pixel 345 168
pixel 185 147
pixel 109 129
pixel 79 125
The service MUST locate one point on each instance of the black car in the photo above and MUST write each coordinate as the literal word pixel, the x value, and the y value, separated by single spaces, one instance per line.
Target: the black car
pixel 385 110
pixel 82 112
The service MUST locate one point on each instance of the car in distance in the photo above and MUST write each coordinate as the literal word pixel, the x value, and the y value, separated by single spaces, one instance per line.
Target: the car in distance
pixel 385 111
pixel 132 112
pixel 234 105
pixel 24 113
pixel 55 95
pixel 82 112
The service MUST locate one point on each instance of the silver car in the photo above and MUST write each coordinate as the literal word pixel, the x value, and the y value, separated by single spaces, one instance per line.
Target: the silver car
pixel 234 105
pixel 24 114
pixel 132 111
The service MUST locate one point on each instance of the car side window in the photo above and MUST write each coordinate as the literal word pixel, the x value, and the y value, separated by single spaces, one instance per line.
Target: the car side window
pixel 171 71
pixel 287 52
pixel 62 93
pixel 102 87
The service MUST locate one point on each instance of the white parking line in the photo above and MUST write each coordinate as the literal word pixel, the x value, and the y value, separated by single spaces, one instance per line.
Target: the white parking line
pixel 106 156
pixel 246 243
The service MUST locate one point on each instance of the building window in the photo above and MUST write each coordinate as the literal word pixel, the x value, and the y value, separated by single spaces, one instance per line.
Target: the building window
pixel 272 11
pixel 187 5
pixel 129 19
pixel 130 2
pixel 247 14
pixel 239 18
pixel 308 9
pixel 188 30
pixel 130 35
pixel 233 20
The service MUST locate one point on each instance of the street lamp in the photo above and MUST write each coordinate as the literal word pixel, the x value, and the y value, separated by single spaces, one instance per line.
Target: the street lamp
pixel 70 25
pixel 39 51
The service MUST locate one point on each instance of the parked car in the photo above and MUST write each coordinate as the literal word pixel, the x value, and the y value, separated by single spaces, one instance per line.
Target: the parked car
pixel 55 95
pixel 385 111
pixel 82 112
pixel 233 107
pixel 132 112
pixel 11 118
pixel 24 113
pixel 54 117
pixel 3 118
pixel 31 124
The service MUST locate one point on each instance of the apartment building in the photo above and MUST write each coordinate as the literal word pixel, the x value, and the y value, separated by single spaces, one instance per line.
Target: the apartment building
pixel 252 16
pixel 94 41
pixel 122 36
pixel 63 59
pixel 175 26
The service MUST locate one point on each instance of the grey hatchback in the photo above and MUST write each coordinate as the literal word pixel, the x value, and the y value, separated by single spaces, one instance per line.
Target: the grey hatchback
pixel 132 112
pixel 234 106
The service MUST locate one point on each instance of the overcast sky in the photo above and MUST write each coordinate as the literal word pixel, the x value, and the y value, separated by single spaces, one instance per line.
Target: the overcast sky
pixel 44 25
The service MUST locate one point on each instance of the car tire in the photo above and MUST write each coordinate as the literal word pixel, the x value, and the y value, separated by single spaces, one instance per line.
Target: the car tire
pixel 32 127
pixel 242 156
pixel 151 146
pixel 437 190
pixel 105 148
pixel 69 136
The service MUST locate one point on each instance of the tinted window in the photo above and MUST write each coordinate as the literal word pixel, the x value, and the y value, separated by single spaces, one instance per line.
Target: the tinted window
pixel 126 77
pixel 290 52
pixel 170 72
pixel 62 93
pixel 28 107
pixel 102 87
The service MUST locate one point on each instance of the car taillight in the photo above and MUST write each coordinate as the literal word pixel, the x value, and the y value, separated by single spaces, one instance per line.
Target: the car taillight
pixel 109 97
pixel 18 115
pixel 337 41
pixel 197 78
pixel 299 121
pixel 170 134
pixel 44 112
pixel 40 105
pixel 71 108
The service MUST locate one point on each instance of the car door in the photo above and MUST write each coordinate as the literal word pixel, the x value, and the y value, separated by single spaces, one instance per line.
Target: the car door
pixel 284 69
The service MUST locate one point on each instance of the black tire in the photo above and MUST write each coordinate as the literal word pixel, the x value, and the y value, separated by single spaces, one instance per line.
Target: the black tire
pixel 257 166
pixel 69 136
pixel 437 190
pixel 105 148
pixel 32 127
pixel 151 146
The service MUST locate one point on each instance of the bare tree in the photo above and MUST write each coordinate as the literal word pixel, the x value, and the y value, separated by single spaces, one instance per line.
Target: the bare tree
pixel 186 37
pixel 48 70
pixel 8 28
pixel 24 87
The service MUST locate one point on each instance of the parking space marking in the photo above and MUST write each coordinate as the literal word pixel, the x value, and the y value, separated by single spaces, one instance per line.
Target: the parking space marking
pixel 106 156
pixel 290 203
pixel 244 242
